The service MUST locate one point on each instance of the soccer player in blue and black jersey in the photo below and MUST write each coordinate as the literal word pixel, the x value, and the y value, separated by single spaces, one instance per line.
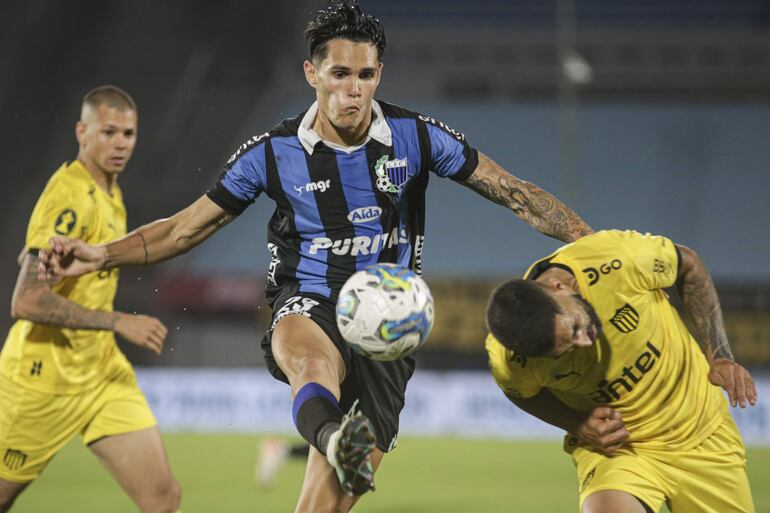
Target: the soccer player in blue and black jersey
pixel 348 177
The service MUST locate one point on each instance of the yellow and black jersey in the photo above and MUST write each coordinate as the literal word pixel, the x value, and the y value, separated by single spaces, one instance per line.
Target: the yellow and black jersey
pixel 58 360
pixel 646 365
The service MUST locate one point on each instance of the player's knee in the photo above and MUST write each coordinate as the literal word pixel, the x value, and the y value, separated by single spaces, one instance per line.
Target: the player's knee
pixel 167 497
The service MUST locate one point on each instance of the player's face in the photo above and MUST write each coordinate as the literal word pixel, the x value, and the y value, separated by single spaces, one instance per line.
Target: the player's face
pixel 107 137
pixel 345 82
pixel 577 325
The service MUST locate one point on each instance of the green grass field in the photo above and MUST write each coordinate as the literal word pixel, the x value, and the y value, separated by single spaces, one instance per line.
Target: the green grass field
pixel 424 475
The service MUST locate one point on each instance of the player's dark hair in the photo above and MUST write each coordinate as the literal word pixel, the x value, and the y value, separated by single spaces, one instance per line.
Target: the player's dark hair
pixel 111 96
pixel 522 316
pixel 343 19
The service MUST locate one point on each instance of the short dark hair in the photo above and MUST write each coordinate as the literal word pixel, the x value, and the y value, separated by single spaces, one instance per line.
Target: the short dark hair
pixel 343 19
pixel 522 316
pixel 110 95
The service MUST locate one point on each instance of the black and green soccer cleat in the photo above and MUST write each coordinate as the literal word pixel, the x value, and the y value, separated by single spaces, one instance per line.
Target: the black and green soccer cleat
pixel 352 445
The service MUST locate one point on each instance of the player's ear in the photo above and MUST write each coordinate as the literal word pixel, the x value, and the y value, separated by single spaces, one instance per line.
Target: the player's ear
pixel 310 74
pixel 80 131
pixel 555 285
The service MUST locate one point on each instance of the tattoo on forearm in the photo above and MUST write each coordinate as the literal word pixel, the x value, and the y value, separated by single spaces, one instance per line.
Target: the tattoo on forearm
pixel 701 303
pixel 528 201
pixel 52 309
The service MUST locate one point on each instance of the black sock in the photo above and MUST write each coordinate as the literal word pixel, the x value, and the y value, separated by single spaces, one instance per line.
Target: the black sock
pixel 317 415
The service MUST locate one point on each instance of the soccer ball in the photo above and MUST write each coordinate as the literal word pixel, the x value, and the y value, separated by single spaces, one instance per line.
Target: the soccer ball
pixel 385 312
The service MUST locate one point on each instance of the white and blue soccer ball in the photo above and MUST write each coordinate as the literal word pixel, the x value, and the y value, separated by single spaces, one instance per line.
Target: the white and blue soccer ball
pixel 385 312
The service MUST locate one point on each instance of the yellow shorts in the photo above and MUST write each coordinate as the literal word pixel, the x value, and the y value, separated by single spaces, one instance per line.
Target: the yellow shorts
pixel 710 478
pixel 34 426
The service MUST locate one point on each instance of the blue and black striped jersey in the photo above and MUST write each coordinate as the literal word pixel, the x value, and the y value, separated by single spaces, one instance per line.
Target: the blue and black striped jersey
pixel 338 211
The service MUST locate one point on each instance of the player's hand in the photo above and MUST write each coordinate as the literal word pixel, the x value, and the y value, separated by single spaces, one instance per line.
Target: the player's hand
pixel 142 330
pixel 603 430
pixel 735 379
pixel 69 257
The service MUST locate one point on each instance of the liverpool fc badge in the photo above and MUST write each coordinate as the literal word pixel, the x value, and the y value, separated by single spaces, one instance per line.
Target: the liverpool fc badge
pixel 391 174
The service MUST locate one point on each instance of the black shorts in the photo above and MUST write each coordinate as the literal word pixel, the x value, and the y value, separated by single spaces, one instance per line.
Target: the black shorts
pixel 379 387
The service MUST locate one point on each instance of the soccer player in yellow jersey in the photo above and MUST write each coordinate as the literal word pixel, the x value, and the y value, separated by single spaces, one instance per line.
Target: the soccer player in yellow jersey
pixel 589 342
pixel 61 372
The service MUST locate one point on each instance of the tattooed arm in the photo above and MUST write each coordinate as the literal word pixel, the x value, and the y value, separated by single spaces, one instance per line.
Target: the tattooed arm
pixel 700 301
pixel 529 202
pixel 154 242
pixel 35 301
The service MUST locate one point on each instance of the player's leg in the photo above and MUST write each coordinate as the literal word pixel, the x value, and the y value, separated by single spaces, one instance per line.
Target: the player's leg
pixel 612 501
pixel 321 492
pixel 8 493
pixel 138 462
pixel 627 481
pixel 34 426
pixel 122 432
pixel 315 368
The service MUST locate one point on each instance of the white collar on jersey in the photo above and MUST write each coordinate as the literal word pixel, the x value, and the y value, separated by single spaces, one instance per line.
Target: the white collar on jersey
pixel 378 130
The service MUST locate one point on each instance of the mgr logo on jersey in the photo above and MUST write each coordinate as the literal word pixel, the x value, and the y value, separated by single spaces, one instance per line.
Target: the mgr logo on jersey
pixel 626 319
pixel 14 459
pixel 391 174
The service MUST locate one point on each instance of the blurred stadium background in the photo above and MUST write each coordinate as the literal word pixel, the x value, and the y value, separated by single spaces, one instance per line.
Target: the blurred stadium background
pixel 644 114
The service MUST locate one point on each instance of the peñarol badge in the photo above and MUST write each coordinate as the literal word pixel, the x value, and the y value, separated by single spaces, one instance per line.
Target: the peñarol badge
pixel 65 222
pixel 391 174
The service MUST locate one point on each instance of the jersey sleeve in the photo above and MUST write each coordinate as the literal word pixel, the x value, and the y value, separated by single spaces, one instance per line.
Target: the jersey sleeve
pixel 654 258
pixel 60 211
pixel 510 371
pixel 242 181
pixel 450 154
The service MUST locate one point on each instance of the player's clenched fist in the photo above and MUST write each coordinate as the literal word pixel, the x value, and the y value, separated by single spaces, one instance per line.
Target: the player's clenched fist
pixel 142 330
pixel 604 430
pixel 69 257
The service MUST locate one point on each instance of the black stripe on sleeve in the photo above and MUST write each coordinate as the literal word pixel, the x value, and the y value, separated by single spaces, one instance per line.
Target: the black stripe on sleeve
pixel 471 163
pixel 282 232
pixel 225 199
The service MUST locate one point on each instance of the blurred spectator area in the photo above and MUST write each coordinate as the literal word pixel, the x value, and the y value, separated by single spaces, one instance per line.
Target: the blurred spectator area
pixel 652 49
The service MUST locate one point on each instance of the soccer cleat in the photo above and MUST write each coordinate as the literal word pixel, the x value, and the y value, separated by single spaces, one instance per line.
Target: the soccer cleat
pixel 349 453
pixel 273 453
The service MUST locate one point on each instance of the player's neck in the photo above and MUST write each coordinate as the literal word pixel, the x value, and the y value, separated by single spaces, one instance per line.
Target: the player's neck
pixel 344 137
pixel 104 180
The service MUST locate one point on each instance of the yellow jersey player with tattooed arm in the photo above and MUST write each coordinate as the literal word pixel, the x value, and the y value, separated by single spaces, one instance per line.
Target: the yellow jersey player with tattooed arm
pixel 590 343
pixel 61 372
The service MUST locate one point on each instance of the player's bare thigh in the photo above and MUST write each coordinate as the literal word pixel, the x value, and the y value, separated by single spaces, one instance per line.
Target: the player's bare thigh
pixel 321 492
pixel 8 493
pixel 305 354
pixel 137 460
pixel 612 501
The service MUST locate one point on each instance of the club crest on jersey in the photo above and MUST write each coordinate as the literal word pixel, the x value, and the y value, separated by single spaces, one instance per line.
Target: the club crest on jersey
pixel 391 174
